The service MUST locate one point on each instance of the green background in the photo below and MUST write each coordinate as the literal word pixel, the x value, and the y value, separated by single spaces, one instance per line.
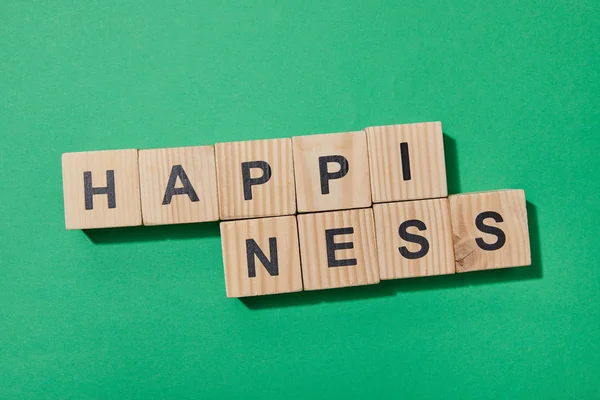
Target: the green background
pixel 141 312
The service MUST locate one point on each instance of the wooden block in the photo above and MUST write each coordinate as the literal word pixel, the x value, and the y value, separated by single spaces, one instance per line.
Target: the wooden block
pixel 256 178
pixel 490 230
pixel 178 185
pixel 407 162
pixel 414 238
pixel 332 171
pixel 261 256
pixel 338 249
pixel 101 189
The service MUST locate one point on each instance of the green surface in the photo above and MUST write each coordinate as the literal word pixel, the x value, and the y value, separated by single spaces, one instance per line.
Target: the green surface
pixel 141 313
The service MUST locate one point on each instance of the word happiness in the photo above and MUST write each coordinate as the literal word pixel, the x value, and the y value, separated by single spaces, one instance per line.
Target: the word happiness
pixel 310 212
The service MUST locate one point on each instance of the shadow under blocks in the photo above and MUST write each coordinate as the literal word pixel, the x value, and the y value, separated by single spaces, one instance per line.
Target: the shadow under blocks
pixel 392 287
pixel 153 233
pixel 451 157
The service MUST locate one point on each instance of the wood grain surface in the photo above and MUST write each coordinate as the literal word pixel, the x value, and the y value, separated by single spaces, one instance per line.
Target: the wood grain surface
pixel 275 197
pixel 234 235
pixel 350 191
pixel 424 159
pixel 124 167
pixel 316 272
pixel 197 165
pixel 510 205
pixel 402 258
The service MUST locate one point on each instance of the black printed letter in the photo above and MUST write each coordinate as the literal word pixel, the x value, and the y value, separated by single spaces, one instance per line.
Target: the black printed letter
pixel 272 266
pixel 90 191
pixel 404 155
pixel 409 237
pixel 332 247
pixel 177 171
pixel 326 176
pixel 248 181
pixel 492 230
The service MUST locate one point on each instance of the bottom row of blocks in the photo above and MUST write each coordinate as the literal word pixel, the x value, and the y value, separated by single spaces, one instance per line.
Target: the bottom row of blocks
pixel 465 232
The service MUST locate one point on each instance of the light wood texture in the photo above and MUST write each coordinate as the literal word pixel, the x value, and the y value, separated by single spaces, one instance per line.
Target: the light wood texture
pixel 404 256
pixel 425 145
pixel 350 191
pixel 316 272
pixel 234 235
pixel 277 196
pixel 190 169
pixel 511 207
pixel 105 211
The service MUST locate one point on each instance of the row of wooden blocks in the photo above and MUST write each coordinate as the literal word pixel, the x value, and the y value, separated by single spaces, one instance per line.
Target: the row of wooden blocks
pixel 252 179
pixel 339 238
pixel 462 233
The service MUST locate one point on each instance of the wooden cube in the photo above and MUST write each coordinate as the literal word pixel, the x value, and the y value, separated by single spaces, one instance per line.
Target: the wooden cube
pixel 332 171
pixel 256 178
pixel 261 256
pixel 414 238
pixel 178 185
pixel 407 162
pixel 490 230
pixel 338 249
pixel 101 189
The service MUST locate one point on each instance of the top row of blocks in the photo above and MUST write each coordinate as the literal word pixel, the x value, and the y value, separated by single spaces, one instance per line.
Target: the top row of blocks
pixel 251 179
